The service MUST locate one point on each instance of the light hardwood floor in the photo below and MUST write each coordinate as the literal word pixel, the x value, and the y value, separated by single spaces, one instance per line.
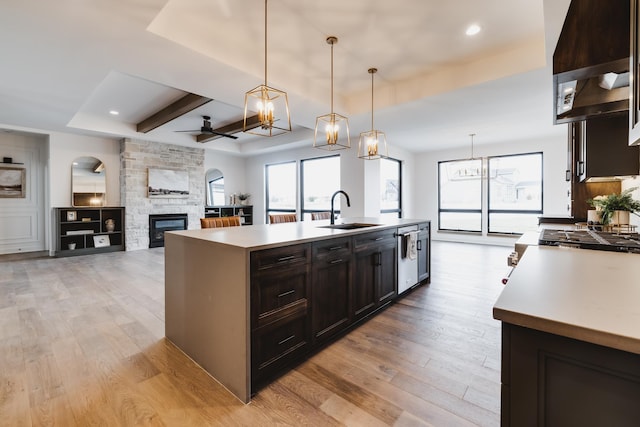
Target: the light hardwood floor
pixel 81 344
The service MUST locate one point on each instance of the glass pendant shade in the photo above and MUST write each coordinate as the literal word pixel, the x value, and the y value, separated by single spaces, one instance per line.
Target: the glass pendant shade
pixel 372 144
pixel 266 109
pixel 332 130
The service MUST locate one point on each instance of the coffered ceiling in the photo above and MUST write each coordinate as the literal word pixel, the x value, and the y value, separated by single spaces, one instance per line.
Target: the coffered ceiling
pixel 67 64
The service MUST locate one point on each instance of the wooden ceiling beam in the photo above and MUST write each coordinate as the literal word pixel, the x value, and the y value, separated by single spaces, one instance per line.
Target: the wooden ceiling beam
pixel 231 128
pixel 189 102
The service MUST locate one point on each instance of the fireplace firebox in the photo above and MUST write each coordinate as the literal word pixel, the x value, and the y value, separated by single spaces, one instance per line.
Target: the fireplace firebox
pixel 160 223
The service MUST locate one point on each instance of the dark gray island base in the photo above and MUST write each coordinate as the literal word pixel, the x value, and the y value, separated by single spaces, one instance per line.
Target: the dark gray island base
pixel 249 303
pixel 571 339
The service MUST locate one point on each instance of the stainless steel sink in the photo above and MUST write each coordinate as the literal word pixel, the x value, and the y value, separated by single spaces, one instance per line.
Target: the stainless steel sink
pixel 351 226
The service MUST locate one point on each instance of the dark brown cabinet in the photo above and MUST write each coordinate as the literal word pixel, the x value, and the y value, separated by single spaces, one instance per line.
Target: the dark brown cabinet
pixel 375 271
pixel 552 380
pixel 82 231
pixel 305 295
pixel 280 286
pixel 424 252
pixel 602 150
pixel 331 287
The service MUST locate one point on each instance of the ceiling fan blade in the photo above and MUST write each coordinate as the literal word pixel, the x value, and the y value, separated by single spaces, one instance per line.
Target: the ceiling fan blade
pixel 226 135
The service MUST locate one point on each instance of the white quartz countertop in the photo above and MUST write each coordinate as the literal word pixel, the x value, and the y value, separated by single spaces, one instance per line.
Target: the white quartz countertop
pixel 263 236
pixel 589 295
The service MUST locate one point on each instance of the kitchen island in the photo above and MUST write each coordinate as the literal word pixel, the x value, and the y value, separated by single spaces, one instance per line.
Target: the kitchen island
pixel 247 303
pixel 571 339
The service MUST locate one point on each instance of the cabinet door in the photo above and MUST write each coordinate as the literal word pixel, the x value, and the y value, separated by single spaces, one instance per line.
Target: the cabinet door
pixel 330 287
pixel 577 135
pixel 374 274
pixel 364 282
pixel 330 297
pixel 424 252
pixel 386 281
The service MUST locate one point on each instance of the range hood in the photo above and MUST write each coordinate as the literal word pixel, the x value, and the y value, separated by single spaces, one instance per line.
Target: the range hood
pixel 591 61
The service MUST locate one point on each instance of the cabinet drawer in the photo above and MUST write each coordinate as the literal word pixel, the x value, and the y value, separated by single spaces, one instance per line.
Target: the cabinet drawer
pixel 275 346
pixel 277 289
pixel 331 248
pixel 376 238
pixel 277 257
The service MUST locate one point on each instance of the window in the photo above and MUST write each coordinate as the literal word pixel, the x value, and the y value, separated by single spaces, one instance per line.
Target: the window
pixel 513 198
pixel 460 195
pixel 390 188
pixel 216 191
pixel 281 188
pixel 320 179
pixel 515 192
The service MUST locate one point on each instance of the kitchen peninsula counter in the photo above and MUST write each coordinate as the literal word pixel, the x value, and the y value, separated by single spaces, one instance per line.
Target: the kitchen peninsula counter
pixel 209 310
pixel 571 338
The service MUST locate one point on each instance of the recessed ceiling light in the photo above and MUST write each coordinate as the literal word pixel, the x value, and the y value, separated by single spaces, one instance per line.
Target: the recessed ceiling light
pixel 114 112
pixel 473 29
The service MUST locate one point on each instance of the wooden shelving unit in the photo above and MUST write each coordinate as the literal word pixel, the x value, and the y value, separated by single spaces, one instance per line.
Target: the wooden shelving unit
pixel 82 231
pixel 245 212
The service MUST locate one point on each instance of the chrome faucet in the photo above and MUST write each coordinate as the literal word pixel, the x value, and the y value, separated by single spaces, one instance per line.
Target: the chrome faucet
pixel 333 215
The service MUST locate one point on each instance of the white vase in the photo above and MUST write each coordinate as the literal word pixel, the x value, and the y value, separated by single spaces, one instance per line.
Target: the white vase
pixel 619 218
pixel 593 216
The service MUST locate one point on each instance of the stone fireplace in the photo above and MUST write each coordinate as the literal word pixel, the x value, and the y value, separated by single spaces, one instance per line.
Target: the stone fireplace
pixel 158 224
pixel 136 158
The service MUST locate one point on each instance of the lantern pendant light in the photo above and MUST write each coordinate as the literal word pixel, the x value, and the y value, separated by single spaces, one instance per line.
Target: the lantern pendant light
pixel 332 130
pixel 372 144
pixel 272 105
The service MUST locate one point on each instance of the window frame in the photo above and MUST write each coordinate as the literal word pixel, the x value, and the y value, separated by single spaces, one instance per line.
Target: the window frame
pixel 513 211
pixel 450 210
pixel 398 210
pixel 267 209
pixel 304 211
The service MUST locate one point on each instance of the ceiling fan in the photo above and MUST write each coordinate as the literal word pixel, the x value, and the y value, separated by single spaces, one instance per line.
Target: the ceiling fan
pixel 206 129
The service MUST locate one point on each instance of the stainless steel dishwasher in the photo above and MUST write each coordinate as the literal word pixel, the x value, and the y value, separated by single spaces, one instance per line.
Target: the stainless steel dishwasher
pixel 407 257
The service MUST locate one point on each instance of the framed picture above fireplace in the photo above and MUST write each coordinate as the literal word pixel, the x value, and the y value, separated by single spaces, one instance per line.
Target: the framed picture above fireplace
pixel 168 183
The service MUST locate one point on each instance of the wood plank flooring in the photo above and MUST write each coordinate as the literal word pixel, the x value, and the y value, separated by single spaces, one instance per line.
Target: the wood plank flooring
pixel 82 344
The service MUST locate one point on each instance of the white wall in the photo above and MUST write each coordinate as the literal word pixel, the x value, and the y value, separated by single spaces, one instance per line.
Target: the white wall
pixel 233 169
pixel 554 191
pixel 22 219
pixel 64 148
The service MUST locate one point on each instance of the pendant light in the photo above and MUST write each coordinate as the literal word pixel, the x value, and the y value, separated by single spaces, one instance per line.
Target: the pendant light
pixel 472 135
pixel 271 105
pixel 332 130
pixel 471 171
pixel 372 144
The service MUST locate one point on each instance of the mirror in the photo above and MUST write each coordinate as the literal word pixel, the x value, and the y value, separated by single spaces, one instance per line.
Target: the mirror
pixel 88 182
pixel 214 183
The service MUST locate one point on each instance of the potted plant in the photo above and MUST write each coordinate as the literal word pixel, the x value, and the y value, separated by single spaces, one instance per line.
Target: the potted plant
pixel 615 208
pixel 243 197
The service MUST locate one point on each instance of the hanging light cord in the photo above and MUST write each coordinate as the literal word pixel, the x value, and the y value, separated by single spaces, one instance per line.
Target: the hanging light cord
pixel 331 42
pixel 265 42
pixel 472 135
pixel 372 71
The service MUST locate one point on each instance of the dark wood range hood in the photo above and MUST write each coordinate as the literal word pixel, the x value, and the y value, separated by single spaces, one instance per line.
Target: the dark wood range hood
pixel 591 60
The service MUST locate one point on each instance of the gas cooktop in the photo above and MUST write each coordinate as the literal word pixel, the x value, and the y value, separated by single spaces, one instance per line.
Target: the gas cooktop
pixel 590 239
